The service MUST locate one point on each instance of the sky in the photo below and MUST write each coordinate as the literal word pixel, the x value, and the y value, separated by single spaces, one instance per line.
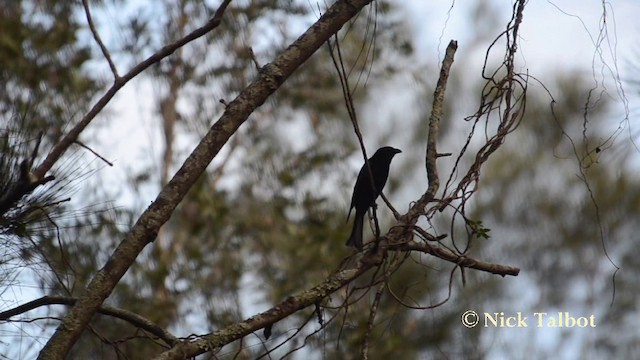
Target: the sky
pixel 559 33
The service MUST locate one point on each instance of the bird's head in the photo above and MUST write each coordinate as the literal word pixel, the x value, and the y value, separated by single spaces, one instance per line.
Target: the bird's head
pixel 387 152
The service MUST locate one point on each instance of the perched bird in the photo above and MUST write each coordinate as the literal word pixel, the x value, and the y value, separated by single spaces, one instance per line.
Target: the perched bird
pixel 364 195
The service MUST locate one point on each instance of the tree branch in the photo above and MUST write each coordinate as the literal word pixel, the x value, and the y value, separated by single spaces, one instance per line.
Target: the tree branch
pixel 287 307
pixel 128 316
pixel 459 260
pixel 434 120
pixel 118 83
pixel 96 36
pixel 373 311
pixel 146 228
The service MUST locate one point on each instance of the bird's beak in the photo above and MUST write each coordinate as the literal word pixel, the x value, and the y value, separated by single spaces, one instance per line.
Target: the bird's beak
pixel 398 151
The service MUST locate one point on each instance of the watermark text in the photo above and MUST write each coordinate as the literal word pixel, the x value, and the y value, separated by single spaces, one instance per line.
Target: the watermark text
pixel 561 319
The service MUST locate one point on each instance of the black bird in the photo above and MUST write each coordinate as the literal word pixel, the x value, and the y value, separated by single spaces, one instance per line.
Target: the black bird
pixel 364 195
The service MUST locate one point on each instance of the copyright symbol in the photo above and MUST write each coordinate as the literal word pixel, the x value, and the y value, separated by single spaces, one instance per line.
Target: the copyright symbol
pixel 470 318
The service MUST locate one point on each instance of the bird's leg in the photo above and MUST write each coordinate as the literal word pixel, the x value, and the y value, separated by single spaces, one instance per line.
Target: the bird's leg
pixel 376 229
pixel 375 226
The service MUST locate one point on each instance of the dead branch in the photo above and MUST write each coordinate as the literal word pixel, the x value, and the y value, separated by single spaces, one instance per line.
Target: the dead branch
pixel 434 121
pixel 460 260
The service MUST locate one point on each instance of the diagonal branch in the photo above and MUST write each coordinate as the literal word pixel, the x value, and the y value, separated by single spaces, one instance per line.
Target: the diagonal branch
pixel 236 113
pixel 282 310
pixel 373 311
pixel 118 83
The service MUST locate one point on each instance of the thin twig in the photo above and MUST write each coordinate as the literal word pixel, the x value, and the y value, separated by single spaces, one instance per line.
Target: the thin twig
pixel 254 59
pixel 364 352
pixel 428 307
pixel 94 153
pixel 343 76
pixel 98 40
pixel 165 51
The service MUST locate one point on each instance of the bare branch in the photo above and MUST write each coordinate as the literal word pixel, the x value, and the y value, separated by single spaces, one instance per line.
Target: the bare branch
pixel 506 94
pixel 128 316
pixel 94 153
pixel 434 120
pixel 167 50
pixel 98 40
pixel 314 295
pixel 460 260
pixel 403 232
pixel 364 352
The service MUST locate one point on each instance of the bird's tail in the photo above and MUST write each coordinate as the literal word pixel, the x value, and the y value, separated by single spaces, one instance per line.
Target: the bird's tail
pixel 355 239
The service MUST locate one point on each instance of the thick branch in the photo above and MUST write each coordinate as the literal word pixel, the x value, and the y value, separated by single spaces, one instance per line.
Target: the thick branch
pixel 236 113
